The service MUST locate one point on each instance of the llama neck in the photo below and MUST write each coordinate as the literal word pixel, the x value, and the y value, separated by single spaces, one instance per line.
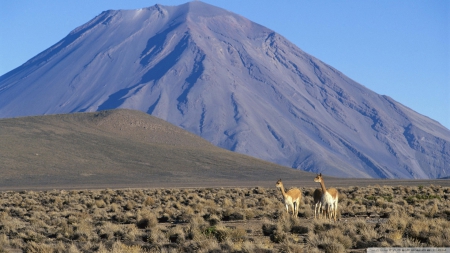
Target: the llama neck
pixel 282 191
pixel 322 184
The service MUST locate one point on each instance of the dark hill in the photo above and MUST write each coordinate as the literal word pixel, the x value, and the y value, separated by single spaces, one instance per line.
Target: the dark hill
pixel 120 148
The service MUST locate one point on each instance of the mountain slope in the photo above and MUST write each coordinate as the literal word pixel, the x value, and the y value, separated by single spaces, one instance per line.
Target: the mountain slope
pixel 120 147
pixel 233 82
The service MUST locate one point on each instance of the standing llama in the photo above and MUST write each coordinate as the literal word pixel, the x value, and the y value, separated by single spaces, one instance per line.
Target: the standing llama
pixel 291 198
pixel 329 200
pixel 317 195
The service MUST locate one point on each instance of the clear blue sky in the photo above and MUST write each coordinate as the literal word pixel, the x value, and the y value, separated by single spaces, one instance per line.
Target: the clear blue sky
pixel 397 48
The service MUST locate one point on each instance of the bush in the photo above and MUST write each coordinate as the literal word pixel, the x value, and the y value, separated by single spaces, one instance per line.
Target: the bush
pixel 146 219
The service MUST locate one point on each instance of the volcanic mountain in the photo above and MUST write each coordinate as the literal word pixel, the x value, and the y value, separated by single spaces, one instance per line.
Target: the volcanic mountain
pixel 233 82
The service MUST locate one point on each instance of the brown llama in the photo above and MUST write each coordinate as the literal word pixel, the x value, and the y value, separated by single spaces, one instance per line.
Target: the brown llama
pixel 329 198
pixel 291 198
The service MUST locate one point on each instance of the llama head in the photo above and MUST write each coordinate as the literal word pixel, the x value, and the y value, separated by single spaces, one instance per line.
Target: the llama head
pixel 279 183
pixel 318 178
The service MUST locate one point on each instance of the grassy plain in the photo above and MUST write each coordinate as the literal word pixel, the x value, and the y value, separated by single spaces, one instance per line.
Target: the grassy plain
pixel 220 220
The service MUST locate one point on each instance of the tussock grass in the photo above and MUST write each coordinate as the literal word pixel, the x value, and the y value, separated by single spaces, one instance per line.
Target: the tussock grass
pixel 220 219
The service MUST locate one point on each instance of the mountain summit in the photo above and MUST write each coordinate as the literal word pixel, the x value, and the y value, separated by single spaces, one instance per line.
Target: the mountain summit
pixel 233 82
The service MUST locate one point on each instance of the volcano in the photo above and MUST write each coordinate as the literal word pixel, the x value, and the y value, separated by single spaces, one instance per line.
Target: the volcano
pixel 235 83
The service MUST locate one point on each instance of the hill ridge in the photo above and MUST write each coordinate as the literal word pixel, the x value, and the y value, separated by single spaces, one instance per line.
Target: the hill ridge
pixel 118 147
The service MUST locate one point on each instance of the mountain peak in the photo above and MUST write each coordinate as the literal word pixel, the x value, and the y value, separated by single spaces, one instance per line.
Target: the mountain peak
pixel 237 84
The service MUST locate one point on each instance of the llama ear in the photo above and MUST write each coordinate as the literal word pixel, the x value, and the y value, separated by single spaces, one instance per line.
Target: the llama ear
pixel 320 174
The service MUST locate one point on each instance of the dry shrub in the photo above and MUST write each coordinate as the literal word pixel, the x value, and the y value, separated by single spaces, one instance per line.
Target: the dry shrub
pixel 209 203
pixel 435 232
pixel 65 230
pixel 130 233
pixel 359 209
pixel 288 246
pixel 118 199
pixel 322 225
pixel 213 220
pixel 237 235
pixel 307 212
pixel 156 236
pixel 248 247
pixel 4 242
pixel 432 210
pixel 195 233
pixel 346 207
pixel 268 228
pixel 285 221
pixel 129 205
pixel 107 230
pixel 232 214
pixel 419 229
pixel 324 243
pixel 102 249
pixel 33 247
pixel 186 214
pixel 299 229
pixel 73 249
pixel 397 221
pixel 440 240
pixel 342 195
pixel 259 190
pixel 279 234
pixel 10 224
pixel 337 235
pixel 83 231
pixel 176 235
pixel 209 245
pixel 395 235
pixel 228 246
pixel 410 242
pixel 249 213
pixel 331 237
pixel 265 201
pixel 368 238
pixel 227 202
pixel 332 247
pixel 100 203
pixel 146 219
pixel 119 247
pixel 195 229
pixel 149 201
pixel 222 233
pixel 249 203
pixel 115 208
pixel 119 218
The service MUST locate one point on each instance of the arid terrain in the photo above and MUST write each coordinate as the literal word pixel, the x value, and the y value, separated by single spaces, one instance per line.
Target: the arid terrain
pixel 220 220
pixel 123 181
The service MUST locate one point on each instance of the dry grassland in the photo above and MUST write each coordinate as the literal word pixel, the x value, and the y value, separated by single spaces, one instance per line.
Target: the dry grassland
pixel 220 220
